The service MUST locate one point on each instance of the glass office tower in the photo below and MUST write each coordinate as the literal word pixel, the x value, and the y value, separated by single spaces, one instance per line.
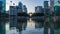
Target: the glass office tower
pixel 56 2
pixel 3 4
pixel 2 16
pixel 57 6
pixel 57 15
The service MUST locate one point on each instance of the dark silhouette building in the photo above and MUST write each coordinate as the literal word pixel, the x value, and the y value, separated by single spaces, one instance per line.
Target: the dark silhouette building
pixel 15 12
pixel 24 9
pixel 38 9
pixel 2 16
pixel 13 16
pixel 46 7
pixel 46 16
pixel 20 9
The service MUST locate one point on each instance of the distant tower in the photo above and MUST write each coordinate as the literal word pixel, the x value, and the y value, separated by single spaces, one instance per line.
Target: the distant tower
pixel 38 9
pixel 56 2
pixel 46 7
pixel 13 16
pixel 57 6
pixel 3 5
pixel 24 9
pixel 51 6
pixel 51 13
pixel 20 5
pixel 2 16
pixel 45 17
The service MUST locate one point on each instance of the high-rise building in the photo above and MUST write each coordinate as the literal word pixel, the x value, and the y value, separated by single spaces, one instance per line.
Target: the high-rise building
pixel 38 9
pixel 2 5
pixel 46 12
pixel 13 10
pixel 46 7
pixel 56 2
pixel 51 6
pixel 13 16
pixel 57 11
pixel 51 17
pixel 20 9
pixel 57 6
pixel 24 9
pixel 2 11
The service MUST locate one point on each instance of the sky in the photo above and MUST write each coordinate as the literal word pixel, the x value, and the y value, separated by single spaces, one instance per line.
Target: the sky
pixel 30 4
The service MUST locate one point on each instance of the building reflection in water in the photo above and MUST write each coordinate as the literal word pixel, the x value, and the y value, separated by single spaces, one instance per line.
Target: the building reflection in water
pixel 2 27
pixel 33 27
pixel 29 26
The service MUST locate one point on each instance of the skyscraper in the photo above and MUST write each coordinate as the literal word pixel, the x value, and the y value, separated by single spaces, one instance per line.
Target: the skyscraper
pixel 38 9
pixel 51 17
pixel 46 17
pixel 20 9
pixel 3 4
pixel 46 7
pixel 13 10
pixel 24 9
pixel 51 6
pixel 13 16
pixel 57 6
pixel 56 2
pixel 57 13
pixel 0 6
pixel 2 11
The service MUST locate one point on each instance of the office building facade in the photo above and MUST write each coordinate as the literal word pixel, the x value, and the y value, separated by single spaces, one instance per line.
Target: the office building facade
pixel 13 13
pixel 38 9
pixel 13 16
pixel 57 6
pixel 46 7
pixel 56 2
pixel 51 7
pixel 2 11
pixel 20 7
pixel 24 9
pixel 3 6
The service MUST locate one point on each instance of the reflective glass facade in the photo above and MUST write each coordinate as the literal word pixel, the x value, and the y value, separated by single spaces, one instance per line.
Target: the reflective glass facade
pixel 57 6
pixel 2 16
pixel 3 4
pixel 56 2
pixel 57 15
